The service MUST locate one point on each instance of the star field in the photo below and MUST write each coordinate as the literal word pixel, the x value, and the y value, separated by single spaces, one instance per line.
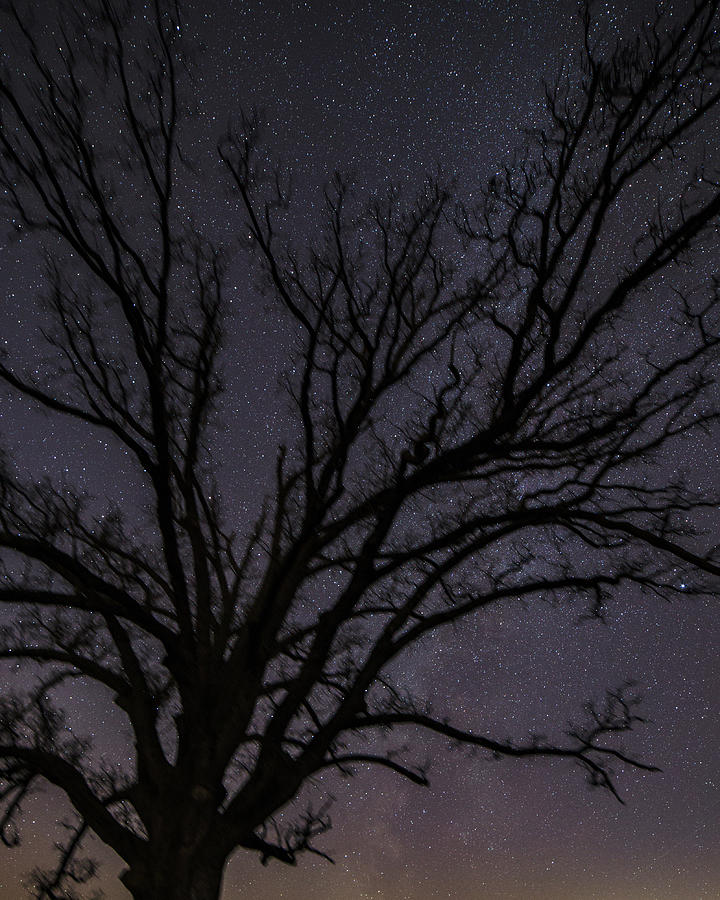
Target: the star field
pixel 387 92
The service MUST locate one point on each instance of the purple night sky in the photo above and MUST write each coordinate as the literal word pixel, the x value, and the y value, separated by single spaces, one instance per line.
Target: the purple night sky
pixel 387 90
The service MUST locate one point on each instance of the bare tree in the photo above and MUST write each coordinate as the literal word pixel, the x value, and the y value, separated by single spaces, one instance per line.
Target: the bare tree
pixel 465 435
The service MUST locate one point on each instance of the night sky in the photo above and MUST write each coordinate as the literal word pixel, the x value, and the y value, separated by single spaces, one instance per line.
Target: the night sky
pixel 389 91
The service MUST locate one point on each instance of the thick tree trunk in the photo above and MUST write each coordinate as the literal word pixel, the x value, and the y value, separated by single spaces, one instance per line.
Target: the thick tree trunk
pixel 175 879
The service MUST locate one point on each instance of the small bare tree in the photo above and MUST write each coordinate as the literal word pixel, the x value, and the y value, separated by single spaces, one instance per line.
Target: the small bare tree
pixel 464 436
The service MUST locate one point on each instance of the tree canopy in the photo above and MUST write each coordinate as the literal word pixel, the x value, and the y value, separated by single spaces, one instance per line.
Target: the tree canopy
pixel 475 417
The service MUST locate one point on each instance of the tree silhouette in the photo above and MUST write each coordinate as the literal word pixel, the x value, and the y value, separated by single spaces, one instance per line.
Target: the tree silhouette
pixel 476 417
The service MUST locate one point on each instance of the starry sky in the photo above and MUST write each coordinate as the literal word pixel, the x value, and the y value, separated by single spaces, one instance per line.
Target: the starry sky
pixel 388 91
